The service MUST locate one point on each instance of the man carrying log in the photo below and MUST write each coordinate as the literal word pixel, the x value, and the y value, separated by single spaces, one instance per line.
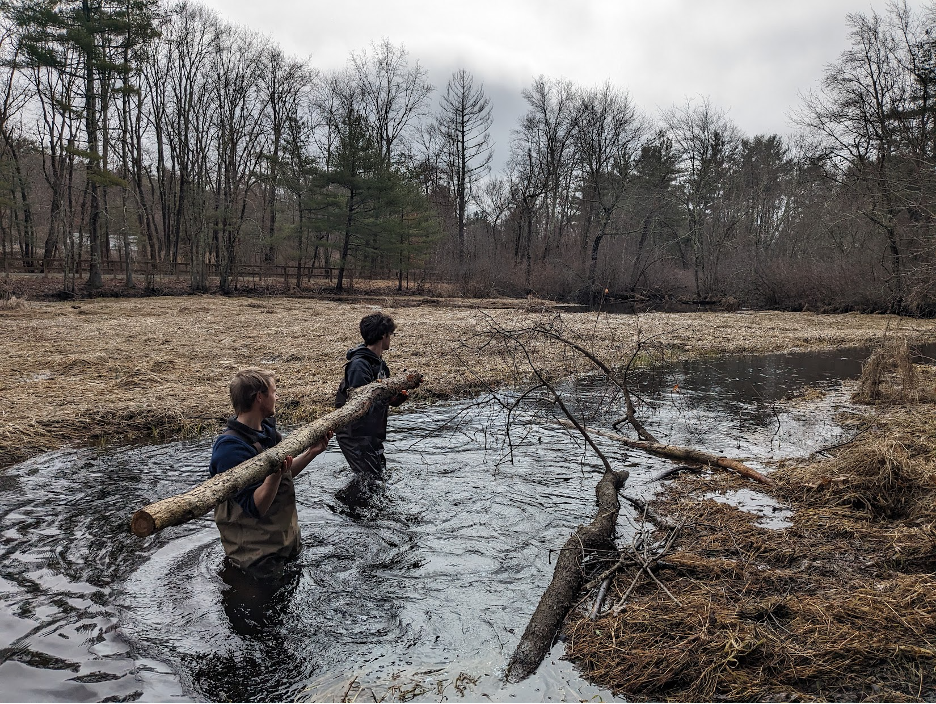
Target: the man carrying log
pixel 362 441
pixel 259 526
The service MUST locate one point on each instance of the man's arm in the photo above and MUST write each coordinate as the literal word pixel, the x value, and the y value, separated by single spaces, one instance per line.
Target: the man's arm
pixel 265 493
pixel 229 452
pixel 302 461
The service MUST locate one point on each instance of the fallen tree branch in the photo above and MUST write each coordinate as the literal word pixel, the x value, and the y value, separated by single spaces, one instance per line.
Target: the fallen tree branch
pixel 567 579
pixel 624 560
pixel 560 595
pixel 645 564
pixel 622 385
pixel 646 511
pixel 198 501
pixel 596 609
pixel 687 454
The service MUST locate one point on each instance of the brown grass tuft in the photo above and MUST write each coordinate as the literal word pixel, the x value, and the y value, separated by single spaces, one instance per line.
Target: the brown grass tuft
pixel 13 304
pixel 887 472
pixel 890 376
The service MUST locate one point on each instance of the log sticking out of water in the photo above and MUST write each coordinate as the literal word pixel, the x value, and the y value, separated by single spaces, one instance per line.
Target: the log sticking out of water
pixel 562 592
pixel 685 454
pixel 198 501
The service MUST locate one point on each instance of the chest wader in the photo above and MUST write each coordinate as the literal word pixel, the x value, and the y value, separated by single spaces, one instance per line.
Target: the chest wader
pixel 250 542
pixel 361 443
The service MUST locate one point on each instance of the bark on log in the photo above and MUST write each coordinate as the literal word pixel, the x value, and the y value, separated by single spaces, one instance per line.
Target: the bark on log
pixel 198 501
pixel 567 580
pixel 687 454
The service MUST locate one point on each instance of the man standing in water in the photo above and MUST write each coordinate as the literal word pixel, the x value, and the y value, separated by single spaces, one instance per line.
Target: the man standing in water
pixel 259 527
pixel 362 441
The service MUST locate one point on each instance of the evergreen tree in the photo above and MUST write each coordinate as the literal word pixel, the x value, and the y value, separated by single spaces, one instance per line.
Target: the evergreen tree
pixel 381 215
pixel 100 35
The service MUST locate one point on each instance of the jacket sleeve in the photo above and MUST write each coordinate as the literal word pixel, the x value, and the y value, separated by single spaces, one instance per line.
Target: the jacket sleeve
pixel 229 452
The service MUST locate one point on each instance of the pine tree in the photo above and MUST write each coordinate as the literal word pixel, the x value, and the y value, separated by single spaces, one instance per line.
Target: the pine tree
pixel 100 35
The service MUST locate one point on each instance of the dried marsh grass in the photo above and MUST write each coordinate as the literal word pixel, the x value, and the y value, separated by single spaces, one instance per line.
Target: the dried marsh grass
pixel 12 304
pixel 889 474
pixel 889 375
pixel 816 611
pixel 130 369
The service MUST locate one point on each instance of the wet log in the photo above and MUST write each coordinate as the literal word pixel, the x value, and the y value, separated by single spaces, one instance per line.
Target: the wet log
pixel 561 594
pixel 198 501
pixel 685 454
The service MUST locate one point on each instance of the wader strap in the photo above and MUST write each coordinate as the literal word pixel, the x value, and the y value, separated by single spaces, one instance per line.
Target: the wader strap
pixel 255 444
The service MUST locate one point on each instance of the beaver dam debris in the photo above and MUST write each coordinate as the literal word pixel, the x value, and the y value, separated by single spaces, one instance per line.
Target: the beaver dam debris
pixel 593 543
pixel 838 605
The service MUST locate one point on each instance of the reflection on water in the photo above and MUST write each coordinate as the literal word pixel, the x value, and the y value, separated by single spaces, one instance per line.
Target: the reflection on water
pixel 770 513
pixel 423 597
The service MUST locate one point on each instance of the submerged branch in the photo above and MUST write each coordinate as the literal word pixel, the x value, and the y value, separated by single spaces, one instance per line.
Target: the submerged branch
pixel 687 454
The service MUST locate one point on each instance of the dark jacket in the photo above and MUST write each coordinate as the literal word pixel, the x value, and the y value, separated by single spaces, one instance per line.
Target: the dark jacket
pixel 362 368
pixel 238 443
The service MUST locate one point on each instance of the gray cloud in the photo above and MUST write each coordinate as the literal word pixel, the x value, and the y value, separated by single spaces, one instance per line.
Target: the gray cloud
pixel 751 57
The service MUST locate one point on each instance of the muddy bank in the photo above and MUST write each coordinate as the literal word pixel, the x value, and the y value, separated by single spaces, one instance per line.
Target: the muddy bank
pixel 96 371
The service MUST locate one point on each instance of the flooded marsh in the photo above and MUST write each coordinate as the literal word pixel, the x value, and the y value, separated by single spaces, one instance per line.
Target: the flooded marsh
pixel 425 596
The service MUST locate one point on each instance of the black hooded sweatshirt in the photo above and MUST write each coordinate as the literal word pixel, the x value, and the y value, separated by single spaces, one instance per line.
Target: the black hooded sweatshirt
pixel 362 368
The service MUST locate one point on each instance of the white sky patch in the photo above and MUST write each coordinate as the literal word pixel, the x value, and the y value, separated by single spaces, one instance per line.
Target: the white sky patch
pixel 752 58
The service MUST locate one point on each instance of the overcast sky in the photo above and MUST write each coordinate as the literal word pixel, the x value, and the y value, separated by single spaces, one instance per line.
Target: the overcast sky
pixel 752 58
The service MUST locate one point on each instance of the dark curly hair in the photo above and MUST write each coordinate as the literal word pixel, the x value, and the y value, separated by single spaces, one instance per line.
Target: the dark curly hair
pixel 374 326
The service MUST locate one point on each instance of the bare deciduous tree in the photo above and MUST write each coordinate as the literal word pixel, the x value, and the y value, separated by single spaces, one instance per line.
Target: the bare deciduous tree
pixel 707 143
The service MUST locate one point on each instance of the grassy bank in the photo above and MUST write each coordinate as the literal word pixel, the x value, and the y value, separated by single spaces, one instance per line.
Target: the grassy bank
pixel 838 605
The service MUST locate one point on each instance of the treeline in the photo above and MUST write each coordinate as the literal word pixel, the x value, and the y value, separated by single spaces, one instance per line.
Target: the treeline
pixel 163 137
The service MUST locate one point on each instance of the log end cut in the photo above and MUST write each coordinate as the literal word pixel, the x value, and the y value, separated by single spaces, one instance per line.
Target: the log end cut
pixel 142 524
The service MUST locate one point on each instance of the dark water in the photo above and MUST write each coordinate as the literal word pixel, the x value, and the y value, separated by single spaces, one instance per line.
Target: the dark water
pixel 422 599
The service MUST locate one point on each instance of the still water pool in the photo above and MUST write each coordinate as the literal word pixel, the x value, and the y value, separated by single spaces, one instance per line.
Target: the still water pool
pixel 423 598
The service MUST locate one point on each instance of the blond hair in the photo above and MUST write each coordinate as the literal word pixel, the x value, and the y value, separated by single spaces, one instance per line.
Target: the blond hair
pixel 245 386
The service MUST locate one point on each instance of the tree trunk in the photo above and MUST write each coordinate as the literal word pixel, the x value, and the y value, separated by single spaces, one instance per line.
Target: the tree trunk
pixel 28 225
pixel 593 268
pixel 561 594
pixel 346 245
pixel 198 501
